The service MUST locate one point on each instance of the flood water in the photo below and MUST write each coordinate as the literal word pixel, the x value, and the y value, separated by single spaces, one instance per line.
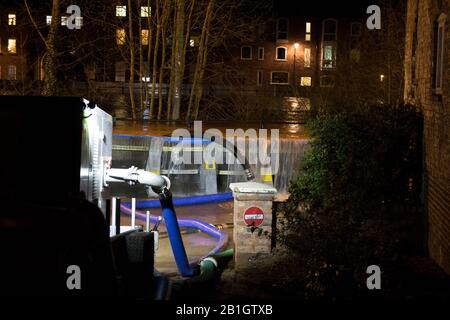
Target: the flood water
pixel 165 129
pixel 197 244
pixel 146 146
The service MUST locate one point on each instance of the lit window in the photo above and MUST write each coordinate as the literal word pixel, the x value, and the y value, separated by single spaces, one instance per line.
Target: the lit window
pixel 12 72
pixel 120 36
pixel 329 30
pixel 12 48
pixel 192 43
pixel 308 32
pixel 48 20
pixel 356 29
pixel 260 53
pixel 326 81
pixel 282 29
pixel 144 37
pixel 328 54
pixel 146 12
pixel 121 11
pixel 279 77
pixel 259 78
pixel 308 27
pixel 64 20
pixel 246 53
pixel 305 81
pixel 281 54
pixel 12 19
pixel 307 57
pixel 440 50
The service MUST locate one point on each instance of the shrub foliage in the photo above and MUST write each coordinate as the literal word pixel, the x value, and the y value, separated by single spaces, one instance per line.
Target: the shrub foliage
pixel 356 198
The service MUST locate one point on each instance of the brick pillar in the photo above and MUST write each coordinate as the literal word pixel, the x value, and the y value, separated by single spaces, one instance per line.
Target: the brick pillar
pixel 251 238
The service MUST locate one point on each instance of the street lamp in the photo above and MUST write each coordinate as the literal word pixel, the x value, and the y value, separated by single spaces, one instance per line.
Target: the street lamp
pixel 296 46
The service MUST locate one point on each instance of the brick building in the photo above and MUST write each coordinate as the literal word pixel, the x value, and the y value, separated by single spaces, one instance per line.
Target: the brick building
pixel 427 85
pixel 301 56
pixel 292 55
pixel 324 59
pixel 12 55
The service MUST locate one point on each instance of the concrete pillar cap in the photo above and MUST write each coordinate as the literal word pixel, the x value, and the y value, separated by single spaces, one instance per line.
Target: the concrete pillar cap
pixel 252 187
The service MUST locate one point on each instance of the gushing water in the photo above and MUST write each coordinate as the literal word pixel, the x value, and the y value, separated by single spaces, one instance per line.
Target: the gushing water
pixel 155 154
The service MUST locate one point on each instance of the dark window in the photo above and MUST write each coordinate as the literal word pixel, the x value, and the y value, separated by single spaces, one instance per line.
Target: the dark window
pixel 259 78
pixel 282 29
pixel 439 55
pixel 260 53
pixel 246 53
pixel 330 30
pixel 281 53
pixel 279 77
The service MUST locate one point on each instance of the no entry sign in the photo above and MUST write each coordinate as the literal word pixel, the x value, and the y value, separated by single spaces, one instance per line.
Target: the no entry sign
pixel 253 216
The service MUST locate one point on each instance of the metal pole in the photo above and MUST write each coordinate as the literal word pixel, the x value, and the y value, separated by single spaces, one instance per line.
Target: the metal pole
pixel 113 218
pixel 117 216
pixel 133 212
pixel 147 224
pixel 295 71
pixel 108 216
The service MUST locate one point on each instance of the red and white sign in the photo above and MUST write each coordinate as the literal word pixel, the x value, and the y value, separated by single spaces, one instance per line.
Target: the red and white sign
pixel 253 216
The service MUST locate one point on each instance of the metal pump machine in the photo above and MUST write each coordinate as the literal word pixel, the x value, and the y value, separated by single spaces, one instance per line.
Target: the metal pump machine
pixel 56 154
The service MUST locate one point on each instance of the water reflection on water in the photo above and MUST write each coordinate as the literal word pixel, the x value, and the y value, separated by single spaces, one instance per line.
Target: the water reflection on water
pixel 287 130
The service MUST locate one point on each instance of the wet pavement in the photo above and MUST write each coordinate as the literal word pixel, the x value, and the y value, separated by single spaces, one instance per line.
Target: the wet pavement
pixel 197 244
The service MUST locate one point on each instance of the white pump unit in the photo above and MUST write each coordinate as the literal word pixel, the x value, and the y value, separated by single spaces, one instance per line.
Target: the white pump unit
pixel 134 175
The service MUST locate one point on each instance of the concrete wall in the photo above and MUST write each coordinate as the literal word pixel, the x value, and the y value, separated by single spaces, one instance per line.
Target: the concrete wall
pixel 420 47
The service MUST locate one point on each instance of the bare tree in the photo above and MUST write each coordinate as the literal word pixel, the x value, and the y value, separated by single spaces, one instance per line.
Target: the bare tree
pixel 50 79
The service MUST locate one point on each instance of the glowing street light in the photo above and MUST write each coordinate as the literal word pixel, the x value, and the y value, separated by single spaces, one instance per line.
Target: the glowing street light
pixel 296 46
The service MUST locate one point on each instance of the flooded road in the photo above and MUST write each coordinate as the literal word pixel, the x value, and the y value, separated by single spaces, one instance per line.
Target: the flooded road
pixel 141 128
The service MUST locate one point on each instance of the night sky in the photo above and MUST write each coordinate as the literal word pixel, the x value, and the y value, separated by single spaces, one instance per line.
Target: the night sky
pixel 321 8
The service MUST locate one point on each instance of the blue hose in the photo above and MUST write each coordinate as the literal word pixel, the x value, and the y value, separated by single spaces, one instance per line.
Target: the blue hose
pixel 173 224
pixel 187 201
pixel 193 140
pixel 173 230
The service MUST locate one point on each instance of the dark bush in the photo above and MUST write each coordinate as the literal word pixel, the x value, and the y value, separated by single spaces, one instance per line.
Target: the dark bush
pixel 356 200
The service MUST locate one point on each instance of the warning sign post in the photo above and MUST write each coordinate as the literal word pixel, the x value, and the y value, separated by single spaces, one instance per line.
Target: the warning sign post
pixel 252 220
